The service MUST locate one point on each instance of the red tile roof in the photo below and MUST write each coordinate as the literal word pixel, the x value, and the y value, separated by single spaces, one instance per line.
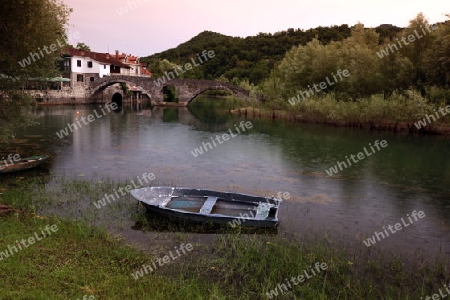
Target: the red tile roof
pixel 126 58
pixel 104 58
pixel 144 71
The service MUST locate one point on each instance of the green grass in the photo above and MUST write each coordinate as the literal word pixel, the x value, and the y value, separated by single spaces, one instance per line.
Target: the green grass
pixel 80 259
pixel 75 261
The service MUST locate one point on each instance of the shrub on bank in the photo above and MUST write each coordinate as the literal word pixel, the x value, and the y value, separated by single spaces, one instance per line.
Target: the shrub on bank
pixel 399 111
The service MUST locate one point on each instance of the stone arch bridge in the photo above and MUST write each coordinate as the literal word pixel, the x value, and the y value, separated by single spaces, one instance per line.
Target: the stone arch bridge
pixel 187 89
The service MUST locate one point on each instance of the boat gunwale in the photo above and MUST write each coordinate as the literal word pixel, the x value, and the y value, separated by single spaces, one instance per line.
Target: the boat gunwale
pixel 160 206
pixel 23 164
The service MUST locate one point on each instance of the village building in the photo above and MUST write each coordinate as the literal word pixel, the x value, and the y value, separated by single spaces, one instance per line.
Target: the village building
pixel 80 67
pixel 136 67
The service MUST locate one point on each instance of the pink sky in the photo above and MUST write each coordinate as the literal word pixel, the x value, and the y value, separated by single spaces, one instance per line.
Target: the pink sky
pixel 154 26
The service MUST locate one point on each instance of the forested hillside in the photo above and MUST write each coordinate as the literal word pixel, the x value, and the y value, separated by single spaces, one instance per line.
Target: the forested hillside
pixel 380 61
pixel 245 58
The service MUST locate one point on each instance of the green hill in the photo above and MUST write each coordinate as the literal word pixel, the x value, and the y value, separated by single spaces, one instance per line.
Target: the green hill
pixel 249 58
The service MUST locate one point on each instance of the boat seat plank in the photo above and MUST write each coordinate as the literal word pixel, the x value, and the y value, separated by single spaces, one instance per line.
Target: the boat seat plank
pixel 262 211
pixel 164 201
pixel 208 205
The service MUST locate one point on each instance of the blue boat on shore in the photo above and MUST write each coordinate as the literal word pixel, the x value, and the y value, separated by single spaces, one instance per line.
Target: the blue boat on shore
pixel 199 205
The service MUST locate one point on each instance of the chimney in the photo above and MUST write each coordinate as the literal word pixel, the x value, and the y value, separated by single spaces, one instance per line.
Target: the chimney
pixel 117 54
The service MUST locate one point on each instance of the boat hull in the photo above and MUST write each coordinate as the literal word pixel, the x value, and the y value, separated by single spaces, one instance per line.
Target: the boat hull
pixel 23 164
pixel 210 206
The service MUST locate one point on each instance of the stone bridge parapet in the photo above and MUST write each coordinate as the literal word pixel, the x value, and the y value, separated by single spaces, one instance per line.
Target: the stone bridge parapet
pixel 187 89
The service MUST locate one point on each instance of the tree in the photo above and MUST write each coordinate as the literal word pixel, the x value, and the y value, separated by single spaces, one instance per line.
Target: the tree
pixel 359 59
pixel 28 29
pixel 437 57
pixel 83 46
pixel 166 66
pixel 304 66
pixel 422 36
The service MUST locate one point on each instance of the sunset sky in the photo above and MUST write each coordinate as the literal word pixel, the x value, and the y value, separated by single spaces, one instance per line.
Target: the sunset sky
pixel 149 26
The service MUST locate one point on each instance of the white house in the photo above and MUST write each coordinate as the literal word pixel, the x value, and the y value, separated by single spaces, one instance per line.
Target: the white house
pixel 81 66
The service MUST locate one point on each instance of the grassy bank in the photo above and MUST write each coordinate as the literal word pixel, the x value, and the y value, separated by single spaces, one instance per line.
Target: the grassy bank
pixel 79 260
pixel 397 113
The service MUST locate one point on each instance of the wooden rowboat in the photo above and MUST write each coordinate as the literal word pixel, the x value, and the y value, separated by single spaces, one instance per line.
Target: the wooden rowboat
pixel 22 164
pixel 205 205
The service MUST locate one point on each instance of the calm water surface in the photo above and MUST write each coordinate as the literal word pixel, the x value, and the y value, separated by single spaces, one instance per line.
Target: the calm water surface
pixel 412 173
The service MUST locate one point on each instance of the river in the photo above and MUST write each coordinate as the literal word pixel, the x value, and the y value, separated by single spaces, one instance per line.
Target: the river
pixel 412 173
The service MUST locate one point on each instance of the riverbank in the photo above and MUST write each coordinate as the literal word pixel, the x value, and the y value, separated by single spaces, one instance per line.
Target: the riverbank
pixel 82 260
pixel 408 113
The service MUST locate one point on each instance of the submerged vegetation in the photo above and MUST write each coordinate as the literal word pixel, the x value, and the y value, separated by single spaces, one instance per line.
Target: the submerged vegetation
pixel 233 265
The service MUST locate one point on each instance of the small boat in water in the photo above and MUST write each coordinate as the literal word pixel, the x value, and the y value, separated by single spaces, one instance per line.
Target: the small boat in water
pixel 22 164
pixel 210 206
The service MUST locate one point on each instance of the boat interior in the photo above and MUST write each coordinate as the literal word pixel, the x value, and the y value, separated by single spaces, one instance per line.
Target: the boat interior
pixel 216 205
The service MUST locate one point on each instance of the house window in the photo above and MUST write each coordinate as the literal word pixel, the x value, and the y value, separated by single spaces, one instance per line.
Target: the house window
pixel 104 67
pixel 89 64
pixel 78 63
pixel 114 69
pixel 66 65
pixel 80 78
pixel 91 79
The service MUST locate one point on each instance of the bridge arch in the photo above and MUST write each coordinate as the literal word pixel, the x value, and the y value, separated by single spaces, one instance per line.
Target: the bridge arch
pixel 102 86
pixel 213 88
pixel 170 93
pixel 118 99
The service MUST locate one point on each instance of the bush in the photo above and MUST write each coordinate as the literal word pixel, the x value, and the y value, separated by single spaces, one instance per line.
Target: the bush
pixel 399 107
